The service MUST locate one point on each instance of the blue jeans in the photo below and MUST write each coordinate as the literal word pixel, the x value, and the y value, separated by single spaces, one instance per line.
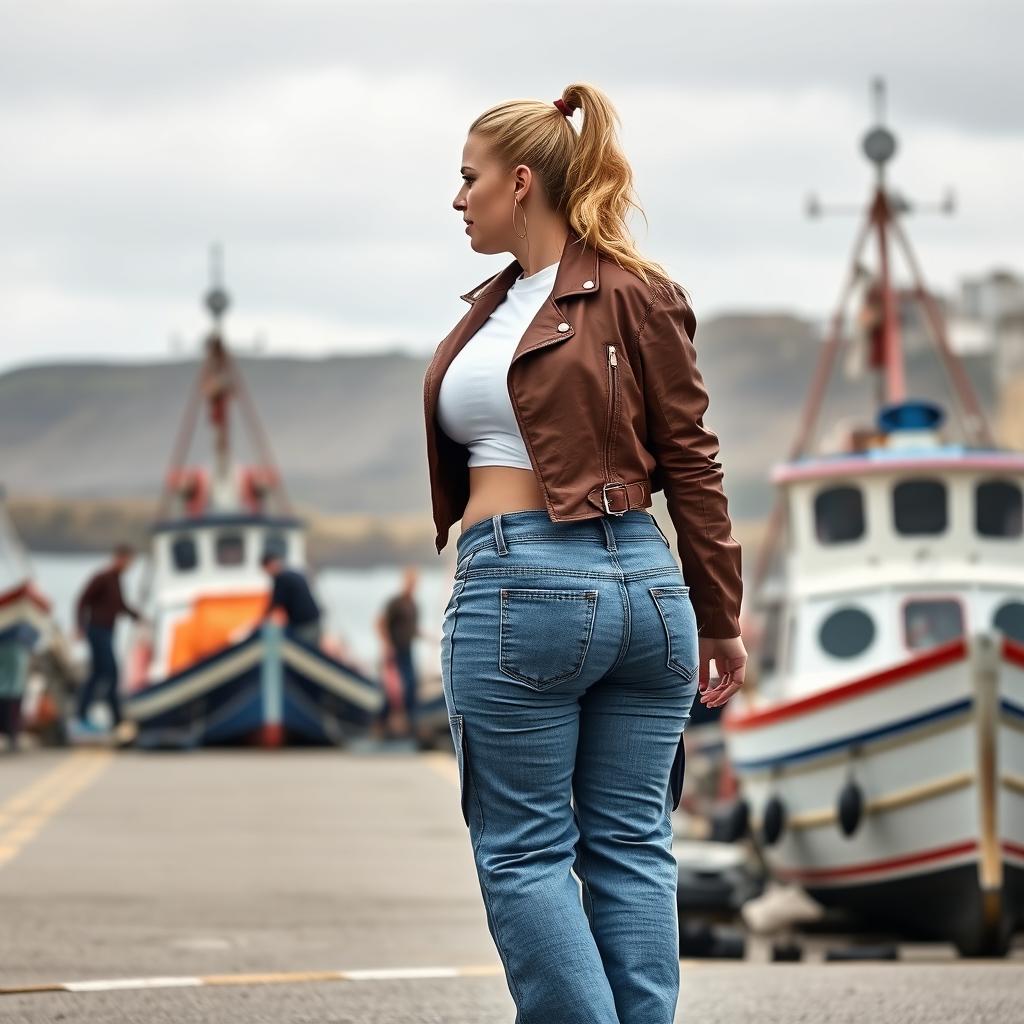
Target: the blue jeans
pixel 569 665
pixel 407 670
pixel 102 671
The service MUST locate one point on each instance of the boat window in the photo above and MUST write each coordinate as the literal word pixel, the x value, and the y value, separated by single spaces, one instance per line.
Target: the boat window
pixel 1009 619
pixel 230 549
pixel 846 633
pixel 839 514
pixel 929 622
pixel 997 509
pixel 183 553
pixel 276 543
pixel 919 506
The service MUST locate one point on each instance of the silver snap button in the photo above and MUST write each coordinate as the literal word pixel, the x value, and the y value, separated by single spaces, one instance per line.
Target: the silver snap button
pixel 563 327
pixel 588 284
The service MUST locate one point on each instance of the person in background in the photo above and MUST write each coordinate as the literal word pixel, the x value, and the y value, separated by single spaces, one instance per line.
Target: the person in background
pixel 292 595
pixel 15 652
pixel 99 605
pixel 399 626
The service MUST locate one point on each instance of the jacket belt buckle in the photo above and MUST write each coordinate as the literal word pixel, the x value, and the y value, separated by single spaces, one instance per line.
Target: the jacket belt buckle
pixel 604 499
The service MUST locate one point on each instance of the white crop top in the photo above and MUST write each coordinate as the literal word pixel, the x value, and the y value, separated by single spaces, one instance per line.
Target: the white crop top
pixel 473 404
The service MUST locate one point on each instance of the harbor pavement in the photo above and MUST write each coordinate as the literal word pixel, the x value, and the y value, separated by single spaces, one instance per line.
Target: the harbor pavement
pixel 317 885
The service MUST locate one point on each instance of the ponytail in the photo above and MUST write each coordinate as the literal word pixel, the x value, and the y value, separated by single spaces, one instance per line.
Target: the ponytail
pixel 585 175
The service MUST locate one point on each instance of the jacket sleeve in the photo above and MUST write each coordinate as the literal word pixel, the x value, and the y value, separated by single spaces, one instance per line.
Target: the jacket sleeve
pixel 687 454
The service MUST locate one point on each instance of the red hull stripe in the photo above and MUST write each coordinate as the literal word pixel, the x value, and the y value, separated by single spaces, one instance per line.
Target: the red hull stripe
pixel 1013 651
pixel 944 655
pixel 874 867
pixel 27 590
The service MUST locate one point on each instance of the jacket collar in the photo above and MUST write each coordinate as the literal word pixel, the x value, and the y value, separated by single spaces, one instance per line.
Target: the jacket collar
pixel 578 263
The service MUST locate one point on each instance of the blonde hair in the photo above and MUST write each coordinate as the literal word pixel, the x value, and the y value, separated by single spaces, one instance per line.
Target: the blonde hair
pixel 585 175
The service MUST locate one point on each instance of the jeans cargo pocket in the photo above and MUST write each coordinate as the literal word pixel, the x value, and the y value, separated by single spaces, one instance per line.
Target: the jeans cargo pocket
pixel 544 634
pixel 459 740
pixel 457 586
pixel 680 622
pixel 676 775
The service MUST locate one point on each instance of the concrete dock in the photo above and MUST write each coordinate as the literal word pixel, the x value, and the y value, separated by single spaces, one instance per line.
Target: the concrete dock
pixel 317 885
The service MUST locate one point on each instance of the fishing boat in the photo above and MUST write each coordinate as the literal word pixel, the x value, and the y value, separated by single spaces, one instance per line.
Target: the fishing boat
pixel 205 668
pixel 879 756
pixel 27 621
pixel 24 610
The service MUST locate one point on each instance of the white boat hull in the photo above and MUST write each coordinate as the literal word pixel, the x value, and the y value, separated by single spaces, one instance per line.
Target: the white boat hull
pixel 936 748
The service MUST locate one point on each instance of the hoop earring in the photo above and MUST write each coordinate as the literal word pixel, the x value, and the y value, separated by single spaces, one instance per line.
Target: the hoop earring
pixel 516 204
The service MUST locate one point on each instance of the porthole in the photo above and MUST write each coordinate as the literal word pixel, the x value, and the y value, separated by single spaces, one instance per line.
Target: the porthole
pixel 1009 619
pixel 846 633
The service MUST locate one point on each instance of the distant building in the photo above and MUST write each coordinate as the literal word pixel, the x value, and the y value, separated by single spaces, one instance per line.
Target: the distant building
pixel 985 304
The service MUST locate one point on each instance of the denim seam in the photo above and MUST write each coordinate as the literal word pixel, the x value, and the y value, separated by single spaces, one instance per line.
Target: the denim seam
pixel 621 577
pixel 585 877
pixel 476 843
pixel 520 1016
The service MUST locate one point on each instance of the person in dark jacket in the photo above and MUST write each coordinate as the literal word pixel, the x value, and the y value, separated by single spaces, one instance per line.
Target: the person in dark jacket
pixel 398 626
pixel 99 605
pixel 291 593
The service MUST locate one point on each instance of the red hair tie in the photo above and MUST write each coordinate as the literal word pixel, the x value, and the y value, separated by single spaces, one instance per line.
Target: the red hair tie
pixel 564 108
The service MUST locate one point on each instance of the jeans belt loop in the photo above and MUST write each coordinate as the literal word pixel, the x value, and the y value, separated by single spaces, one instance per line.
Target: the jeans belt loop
pixel 604 499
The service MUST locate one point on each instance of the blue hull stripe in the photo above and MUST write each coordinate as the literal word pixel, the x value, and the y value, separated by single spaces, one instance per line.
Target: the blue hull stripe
pixel 1013 709
pixel 807 753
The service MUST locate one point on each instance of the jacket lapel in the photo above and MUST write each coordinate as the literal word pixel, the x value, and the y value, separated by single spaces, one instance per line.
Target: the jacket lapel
pixel 578 264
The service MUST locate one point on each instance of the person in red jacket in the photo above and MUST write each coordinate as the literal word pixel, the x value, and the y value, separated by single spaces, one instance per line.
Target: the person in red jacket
pixel 99 605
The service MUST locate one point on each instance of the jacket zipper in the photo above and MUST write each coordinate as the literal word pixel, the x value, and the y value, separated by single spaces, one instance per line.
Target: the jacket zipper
pixel 613 401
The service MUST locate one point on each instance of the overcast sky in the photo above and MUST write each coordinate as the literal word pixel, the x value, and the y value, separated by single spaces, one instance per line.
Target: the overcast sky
pixel 321 142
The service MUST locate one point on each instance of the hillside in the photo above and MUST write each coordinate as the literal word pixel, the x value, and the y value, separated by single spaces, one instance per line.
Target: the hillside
pixel 348 430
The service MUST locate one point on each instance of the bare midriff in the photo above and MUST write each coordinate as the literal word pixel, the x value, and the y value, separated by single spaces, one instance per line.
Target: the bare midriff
pixel 494 489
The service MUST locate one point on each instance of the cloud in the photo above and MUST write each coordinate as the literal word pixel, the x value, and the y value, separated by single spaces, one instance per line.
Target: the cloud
pixel 320 142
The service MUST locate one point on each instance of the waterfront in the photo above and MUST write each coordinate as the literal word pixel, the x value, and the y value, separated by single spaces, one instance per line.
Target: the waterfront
pixel 352 599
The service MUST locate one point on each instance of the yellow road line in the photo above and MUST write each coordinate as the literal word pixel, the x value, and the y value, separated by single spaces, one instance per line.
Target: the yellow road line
pixel 22 816
pixel 13 806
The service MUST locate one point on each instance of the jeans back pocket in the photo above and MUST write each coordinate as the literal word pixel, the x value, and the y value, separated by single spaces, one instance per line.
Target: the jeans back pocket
pixel 545 634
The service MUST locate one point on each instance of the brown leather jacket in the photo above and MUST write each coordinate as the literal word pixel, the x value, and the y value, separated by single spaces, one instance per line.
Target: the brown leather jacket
pixel 609 399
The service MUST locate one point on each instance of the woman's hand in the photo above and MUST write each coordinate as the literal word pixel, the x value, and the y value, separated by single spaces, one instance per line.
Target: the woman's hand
pixel 731 661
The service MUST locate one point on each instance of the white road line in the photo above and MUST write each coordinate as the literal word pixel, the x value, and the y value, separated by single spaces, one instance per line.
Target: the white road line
pixel 273 978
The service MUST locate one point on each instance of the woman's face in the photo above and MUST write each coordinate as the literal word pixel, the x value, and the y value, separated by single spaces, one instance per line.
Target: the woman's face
pixel 486 197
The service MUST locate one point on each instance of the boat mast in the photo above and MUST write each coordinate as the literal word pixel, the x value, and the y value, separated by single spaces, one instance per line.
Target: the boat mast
pixel 219 382
pixel 879 147
pixel 882 220
pixel 217 378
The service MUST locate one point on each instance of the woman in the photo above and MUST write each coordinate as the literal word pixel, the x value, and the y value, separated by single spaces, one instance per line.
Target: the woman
pixel 570 651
